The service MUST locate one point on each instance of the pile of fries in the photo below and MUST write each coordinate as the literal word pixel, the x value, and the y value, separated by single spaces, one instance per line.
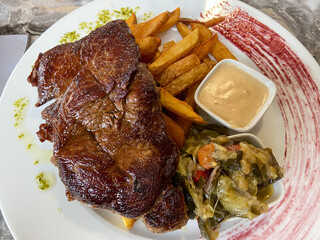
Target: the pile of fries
pixel 179 67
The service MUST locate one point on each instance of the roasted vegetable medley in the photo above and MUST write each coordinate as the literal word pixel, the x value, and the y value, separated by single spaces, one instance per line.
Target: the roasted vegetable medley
pixel 223 178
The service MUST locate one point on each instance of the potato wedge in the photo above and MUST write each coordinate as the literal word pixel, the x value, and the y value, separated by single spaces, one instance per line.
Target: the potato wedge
pixel 179 84
pixel 206 59
pixel 207 23
pixel 148 47
pixel 167 46
pixel 128 222
pixel 176 52
pixel 209 62
pixel 183 122
pixel 149 27
pixel 204 48
pixel 178 107
pixel 220 52
pixel 148 44
pixel 132 20
pixel 177 69
pixel 174 131
pixel 173 19
pixel 189 98
pixel 158 53
pixel 183 29
pixel 204 32
pixel 187 21
pixel 214 21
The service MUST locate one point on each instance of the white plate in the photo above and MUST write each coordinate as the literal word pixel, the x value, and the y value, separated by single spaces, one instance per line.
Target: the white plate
pixel 290 127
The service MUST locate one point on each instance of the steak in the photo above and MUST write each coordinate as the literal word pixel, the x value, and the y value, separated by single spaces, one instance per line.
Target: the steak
pixel 169 212
pixel 107 128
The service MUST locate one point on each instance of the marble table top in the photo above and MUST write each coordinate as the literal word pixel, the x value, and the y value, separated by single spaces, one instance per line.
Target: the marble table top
pixel 33 17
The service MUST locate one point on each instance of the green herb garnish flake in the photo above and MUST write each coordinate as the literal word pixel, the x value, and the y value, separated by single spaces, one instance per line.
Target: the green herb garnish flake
pixel 147 16
pixel 18 112
pixel 103 17
pixel 21 135
pixel 124 13
pixel 42 182
pixel 87 26
pixel 70 37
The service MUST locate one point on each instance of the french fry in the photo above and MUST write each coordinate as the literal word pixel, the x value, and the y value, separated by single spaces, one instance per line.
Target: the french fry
pixel 149 27
pixel 185 123
pixel 206 59
pixel 204 32
pixel 148 44
pixel 220 52
pixel 188 20
pixel 128 222
pixel 183 29
pixel 190 95
pixel 177 69
pixel 187 79
pixel 214 21
pixel 178 107
pixel 132 20
pixel 167 46
pixel 174 131
pixel 209 62
pixel 173 19
pixel 148 47
pixel 207 23
pixel 158 53
pixel 176 52
pixel 204 48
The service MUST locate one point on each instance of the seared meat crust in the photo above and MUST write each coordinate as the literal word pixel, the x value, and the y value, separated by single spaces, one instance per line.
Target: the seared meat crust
pixel 109 52
pixel 110 157
pixel 110 141
pixel 169 213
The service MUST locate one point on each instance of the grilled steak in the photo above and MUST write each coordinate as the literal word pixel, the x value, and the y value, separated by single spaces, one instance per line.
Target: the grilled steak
pixel 169 212
pixel 110 52
pixel 110 141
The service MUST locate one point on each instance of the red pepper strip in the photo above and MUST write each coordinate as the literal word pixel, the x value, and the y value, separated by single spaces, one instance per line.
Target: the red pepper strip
pixel 233 147
pixel 200 174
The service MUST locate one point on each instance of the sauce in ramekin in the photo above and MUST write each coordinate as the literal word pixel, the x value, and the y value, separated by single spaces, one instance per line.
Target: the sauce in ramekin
pixel 234 95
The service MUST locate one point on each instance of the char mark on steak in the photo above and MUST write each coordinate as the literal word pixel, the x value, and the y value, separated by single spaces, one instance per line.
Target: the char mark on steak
pixel 109 52
pixel 169 212
pixel 110 141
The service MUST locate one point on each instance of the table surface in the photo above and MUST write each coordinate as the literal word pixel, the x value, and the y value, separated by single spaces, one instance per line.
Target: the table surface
pixel 33 17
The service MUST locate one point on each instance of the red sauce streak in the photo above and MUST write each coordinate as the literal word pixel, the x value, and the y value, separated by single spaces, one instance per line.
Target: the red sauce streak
pixel 299 100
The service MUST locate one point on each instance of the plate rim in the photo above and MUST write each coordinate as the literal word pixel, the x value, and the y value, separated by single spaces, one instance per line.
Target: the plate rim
pixel 292 42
